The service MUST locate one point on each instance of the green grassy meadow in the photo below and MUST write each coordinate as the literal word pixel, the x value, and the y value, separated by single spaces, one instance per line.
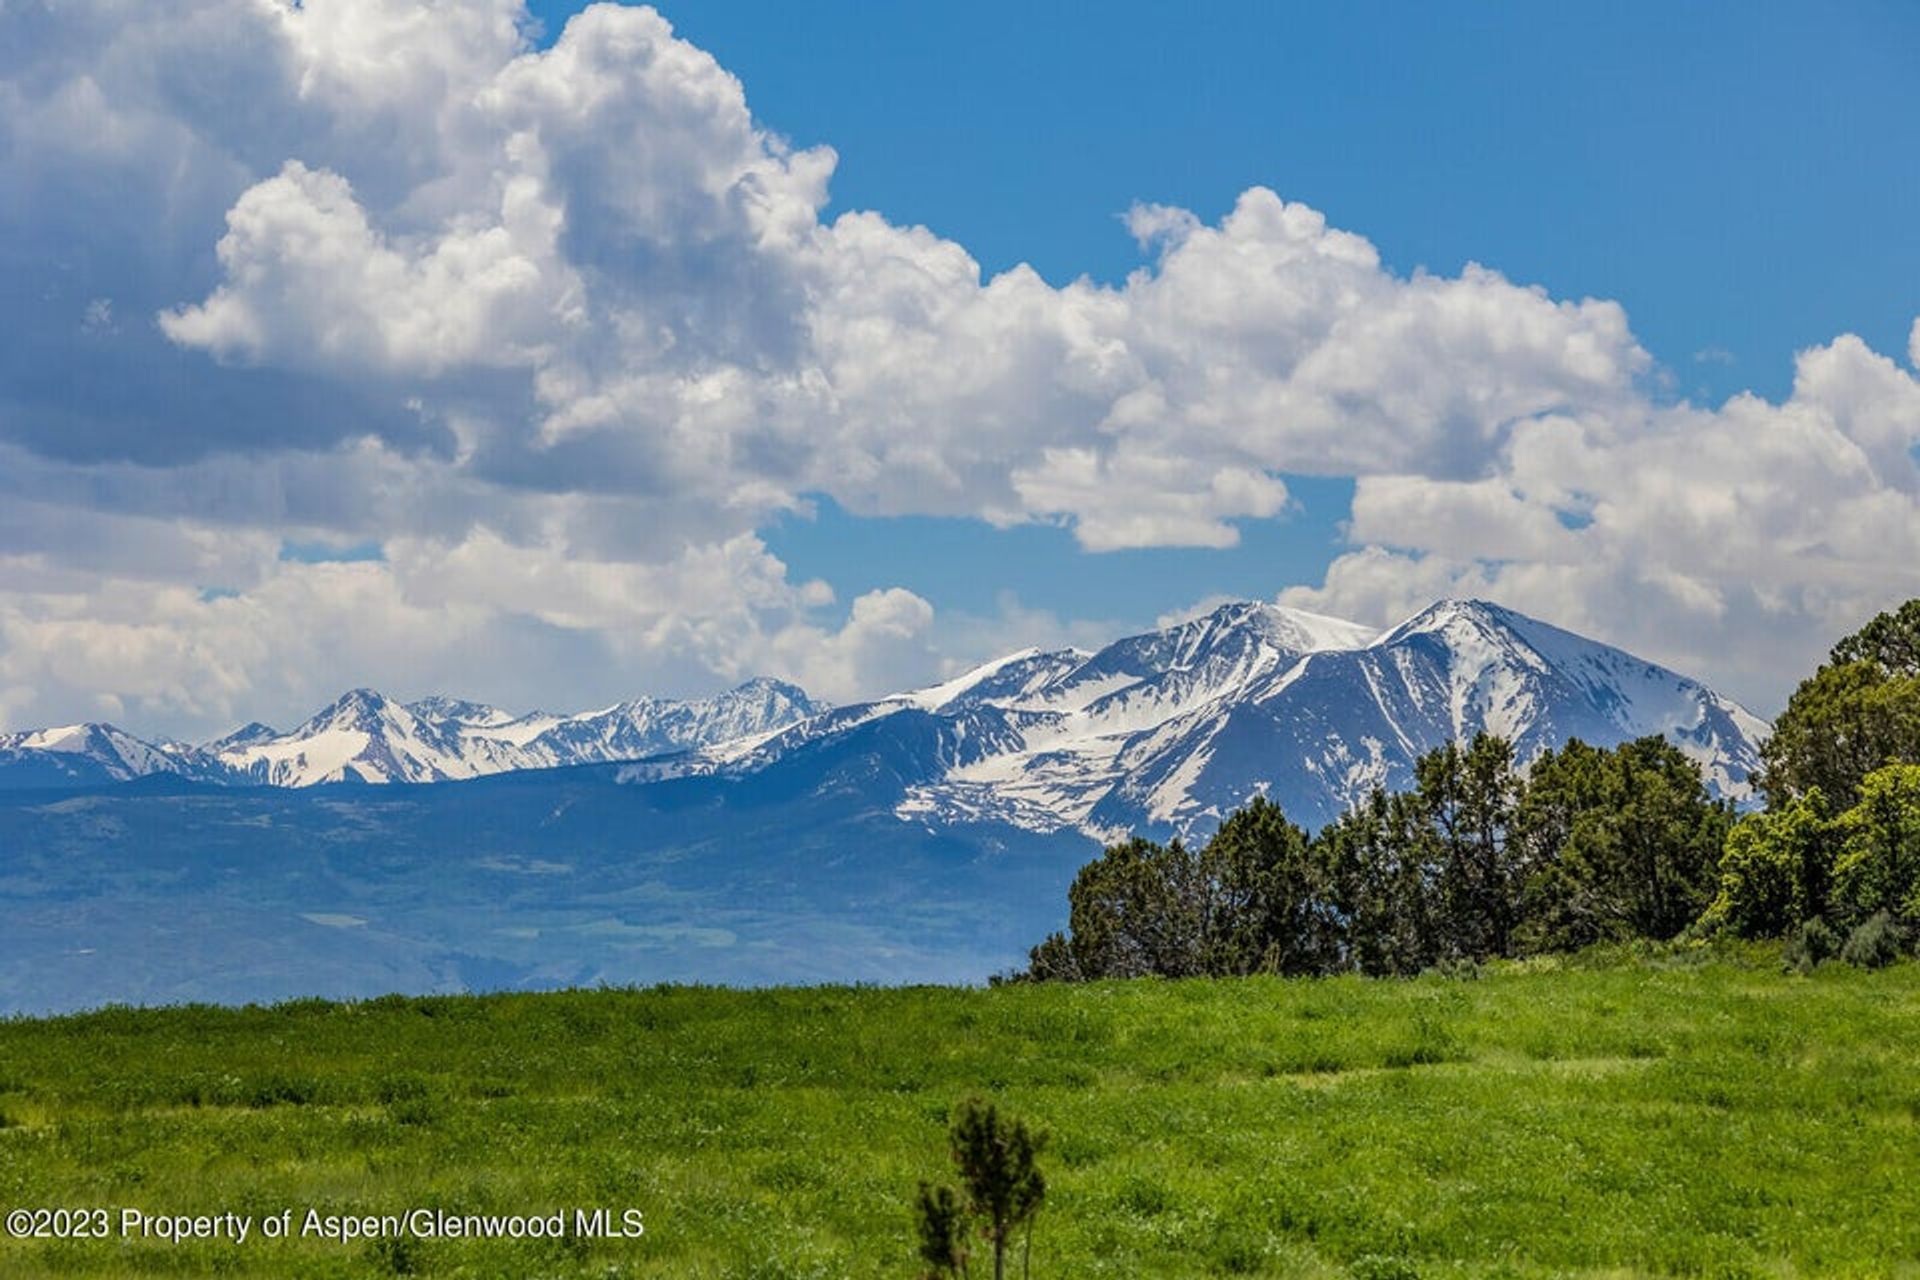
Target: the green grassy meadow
pixel 1690 1115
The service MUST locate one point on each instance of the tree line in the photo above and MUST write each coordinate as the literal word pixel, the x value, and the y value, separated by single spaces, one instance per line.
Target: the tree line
pixel 1483 858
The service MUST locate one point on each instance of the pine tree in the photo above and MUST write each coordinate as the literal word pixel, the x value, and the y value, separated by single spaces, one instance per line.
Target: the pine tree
pixel 942 1224
pixel 1004 1188
pixel 1467 795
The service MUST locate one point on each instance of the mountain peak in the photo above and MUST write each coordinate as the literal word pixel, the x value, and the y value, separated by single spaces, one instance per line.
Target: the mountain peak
pixel 1277 626
pixel 364 712
pixel 758 683
pixel 767 688
pixel 934 696
pixel 440 706
pixel 355 705
pixel 94 751
pixel 251 732
pixel 1454 615
pixel 1311 632
pixel 83 736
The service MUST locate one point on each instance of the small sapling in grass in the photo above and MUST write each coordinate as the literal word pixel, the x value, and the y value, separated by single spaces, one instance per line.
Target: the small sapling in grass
pixel 1003 1187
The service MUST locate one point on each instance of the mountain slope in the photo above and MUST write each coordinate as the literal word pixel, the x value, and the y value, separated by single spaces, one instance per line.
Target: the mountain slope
pixel 1170 730
pixel 1347 721
pixel 90 754
pixel 160 890
pixel 1165 731
pixel 367 737
pixel 928 836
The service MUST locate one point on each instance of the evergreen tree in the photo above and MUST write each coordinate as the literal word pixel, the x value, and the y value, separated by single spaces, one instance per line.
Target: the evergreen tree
pixel 1138 909
pixel 1467 797
pixel 1890 642
pixel 1251 899
pixel 940 1220
pixel 1382 892
pixel 1055 959
pixel 1004 1187
pixel 1265 896
pixel 1621 843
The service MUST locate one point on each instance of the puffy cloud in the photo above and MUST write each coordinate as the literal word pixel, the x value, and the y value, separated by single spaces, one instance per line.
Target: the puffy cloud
pixel 312 284
pixel 522 625
pixel 559 328
pixel 1130 500
pixel 887 642
pixel 1738 542
pixel 1484 518
pixel 588 266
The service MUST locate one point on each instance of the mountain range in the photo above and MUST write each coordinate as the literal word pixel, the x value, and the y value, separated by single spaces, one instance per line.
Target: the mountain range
pixel 1165 731
pixel 365 736
pixel 758 836
pixel 1169 731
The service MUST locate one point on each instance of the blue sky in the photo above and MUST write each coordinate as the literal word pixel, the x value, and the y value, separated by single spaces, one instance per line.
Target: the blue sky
pixel 366 343
pixel 1732 172
pixel 1738 175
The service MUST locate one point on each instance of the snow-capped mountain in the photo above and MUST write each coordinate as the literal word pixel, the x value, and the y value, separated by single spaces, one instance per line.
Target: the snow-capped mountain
pixel 926 836
pixel 1348 720
pixel 1166 731
pixel 367 737
pixel 1173 729
pixel 87 754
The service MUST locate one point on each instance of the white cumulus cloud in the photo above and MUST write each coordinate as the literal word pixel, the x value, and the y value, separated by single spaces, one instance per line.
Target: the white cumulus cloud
pixel 559 329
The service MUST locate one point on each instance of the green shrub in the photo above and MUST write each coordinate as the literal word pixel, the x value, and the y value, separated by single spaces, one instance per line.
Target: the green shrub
pixel 1375 1266
pixel 1777 869
pixel 1879 866
pixel 1875 942
pixel 396 1256
pixel 400 1086
pixel 278 1089
pixel 1811 945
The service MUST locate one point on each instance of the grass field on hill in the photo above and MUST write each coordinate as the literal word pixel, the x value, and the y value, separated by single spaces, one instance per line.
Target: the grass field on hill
pixel 1681 1116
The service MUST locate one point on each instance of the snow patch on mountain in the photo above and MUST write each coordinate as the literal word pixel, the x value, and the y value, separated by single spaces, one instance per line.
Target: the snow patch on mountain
pixel 1166 731
pixel 367 737
pixel 1172 730
pixel 89 754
